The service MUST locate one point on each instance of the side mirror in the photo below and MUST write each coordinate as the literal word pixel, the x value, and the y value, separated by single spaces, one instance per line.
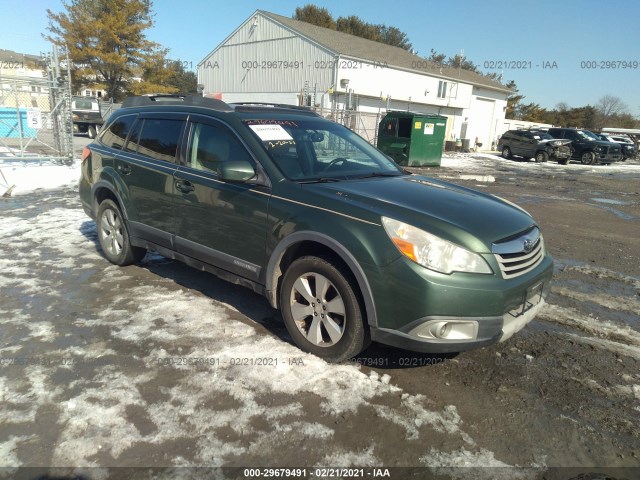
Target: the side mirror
pixel 236 171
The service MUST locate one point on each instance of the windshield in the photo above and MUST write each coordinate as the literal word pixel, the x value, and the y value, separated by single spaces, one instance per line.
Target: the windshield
pixel 542 136
pixel 587 135
pixel 319 150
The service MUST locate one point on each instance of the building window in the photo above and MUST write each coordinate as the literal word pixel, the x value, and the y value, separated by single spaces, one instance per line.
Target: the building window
pixel 442 89
pixel 36 89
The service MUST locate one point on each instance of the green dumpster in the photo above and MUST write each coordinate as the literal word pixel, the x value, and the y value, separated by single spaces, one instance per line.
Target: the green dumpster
pixel 412 139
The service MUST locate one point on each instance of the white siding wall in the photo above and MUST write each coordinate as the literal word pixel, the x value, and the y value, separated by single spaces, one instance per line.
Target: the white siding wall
pixel 472 111
pixel 240 65
pixel 372 79
pixel 509 124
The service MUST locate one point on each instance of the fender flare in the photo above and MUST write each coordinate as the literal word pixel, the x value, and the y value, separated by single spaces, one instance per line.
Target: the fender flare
pixel 109 186
pixel 339 249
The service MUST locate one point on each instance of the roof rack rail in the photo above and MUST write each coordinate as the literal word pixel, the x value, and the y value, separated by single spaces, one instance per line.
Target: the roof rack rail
pixel 176 99
pixel 274 105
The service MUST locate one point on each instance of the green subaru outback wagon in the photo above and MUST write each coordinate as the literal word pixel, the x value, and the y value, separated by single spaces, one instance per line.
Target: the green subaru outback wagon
pixel 347 245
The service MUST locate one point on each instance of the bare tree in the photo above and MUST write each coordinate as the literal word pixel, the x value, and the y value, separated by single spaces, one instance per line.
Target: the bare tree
pixel 608 107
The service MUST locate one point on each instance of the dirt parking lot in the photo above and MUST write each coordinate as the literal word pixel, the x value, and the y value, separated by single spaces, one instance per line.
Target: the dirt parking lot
pixel 161 365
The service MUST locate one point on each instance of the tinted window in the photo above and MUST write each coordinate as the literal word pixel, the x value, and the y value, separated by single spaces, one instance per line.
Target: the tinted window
pixel 132 144
pixel 159 138
pixel 83 104
pixel 212 145
pixel 117 132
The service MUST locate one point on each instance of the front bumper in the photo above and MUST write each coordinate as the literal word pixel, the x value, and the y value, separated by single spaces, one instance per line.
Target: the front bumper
pixel 560 152
pixel 428 312
pixel 491 330
pixel 609 157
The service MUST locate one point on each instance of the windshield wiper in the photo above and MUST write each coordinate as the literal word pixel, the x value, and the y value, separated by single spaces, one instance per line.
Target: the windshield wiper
pixel 320 180
pixel 380 174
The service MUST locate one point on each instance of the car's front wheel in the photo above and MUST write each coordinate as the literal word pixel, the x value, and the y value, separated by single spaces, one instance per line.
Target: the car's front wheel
pixel 321 309
pixel 587 158
pixel 114 236
pixel 506 153
pixel 541 157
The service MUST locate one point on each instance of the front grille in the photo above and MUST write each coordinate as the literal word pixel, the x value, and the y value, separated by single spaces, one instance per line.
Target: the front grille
pixel 513 256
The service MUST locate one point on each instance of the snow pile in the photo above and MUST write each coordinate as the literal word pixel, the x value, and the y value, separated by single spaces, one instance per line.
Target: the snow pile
pixel 20 178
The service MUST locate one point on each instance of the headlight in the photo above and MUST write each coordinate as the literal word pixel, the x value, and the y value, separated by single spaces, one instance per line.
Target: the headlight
pixel 599 149
pixel 431 251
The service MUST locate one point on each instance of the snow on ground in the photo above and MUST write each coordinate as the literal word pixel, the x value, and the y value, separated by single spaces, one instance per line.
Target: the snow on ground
pixel 479 162
pixel 93 410
pixel 218 405
pixel 21 178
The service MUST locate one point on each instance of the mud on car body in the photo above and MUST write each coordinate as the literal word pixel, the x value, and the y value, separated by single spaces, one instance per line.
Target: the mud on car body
pixel 302 210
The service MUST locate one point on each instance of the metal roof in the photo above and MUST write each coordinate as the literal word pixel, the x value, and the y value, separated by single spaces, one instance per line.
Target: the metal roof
pixel 349 45
pixel 31 61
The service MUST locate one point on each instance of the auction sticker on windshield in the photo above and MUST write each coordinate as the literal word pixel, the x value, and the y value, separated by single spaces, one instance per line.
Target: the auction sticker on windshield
pixel 270 132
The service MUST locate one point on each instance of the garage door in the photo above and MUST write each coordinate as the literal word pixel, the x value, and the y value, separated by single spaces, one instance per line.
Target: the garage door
pixel 482 122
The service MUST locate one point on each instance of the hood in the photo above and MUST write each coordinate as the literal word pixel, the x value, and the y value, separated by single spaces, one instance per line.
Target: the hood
pixel 560 140
pixel 464 216
pixel 604 143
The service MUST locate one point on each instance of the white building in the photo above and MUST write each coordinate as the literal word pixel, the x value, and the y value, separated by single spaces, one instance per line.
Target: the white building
pixel 271 58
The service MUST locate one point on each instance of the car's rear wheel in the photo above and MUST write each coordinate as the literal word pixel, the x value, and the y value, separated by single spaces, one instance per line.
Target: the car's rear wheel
pixel 506 153
pixel 541 157
pixel 114 236
pixel 321 310
pixel 91 131
pixel 587 158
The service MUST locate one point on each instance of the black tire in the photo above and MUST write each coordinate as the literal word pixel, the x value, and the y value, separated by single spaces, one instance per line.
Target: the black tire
pixel 335 335
pixel 506 153
pixel 114 236
pixel 91 131
pixel 587 158
pixel 541 156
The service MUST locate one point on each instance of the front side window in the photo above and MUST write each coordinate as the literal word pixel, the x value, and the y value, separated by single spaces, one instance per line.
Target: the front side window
pixel 159 138
pixel 212 145
pixel 117 132
pixel 318 150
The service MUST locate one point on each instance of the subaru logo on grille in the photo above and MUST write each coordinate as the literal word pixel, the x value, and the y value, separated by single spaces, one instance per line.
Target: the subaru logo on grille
pixel 528 245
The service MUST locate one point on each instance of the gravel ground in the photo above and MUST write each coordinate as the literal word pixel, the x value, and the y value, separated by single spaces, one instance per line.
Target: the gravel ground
pixel 160 365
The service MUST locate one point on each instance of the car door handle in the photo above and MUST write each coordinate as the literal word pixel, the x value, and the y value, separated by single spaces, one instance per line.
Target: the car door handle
pixel 124 169
pixel 185 186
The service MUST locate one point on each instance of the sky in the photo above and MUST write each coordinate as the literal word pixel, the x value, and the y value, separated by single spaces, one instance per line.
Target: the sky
pixel 555 51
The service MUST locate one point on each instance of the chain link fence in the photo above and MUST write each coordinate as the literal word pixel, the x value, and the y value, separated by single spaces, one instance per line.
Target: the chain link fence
pixel 364 124
pixel 35 117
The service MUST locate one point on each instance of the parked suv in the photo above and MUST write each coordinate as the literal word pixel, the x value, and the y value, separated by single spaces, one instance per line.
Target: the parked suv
pixel 587 147
pixel 349 246
pixel 534 144
pixel 627 147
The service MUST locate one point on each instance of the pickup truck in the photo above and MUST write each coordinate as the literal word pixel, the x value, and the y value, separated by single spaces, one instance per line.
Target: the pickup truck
pixel 87 117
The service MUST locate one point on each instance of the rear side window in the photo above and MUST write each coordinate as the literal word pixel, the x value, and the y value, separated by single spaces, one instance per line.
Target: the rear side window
pixel 117 132
pixel 159 138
